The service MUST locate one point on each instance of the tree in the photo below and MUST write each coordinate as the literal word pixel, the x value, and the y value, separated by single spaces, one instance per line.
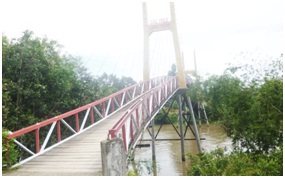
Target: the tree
pixel 219 92
pixel 251 112
pixel 38 82
pixel 257 123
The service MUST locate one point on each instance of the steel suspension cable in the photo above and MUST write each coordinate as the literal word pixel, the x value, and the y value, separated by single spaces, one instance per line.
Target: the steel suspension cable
pixel 158 56
pixel 103 63
pixel 151 55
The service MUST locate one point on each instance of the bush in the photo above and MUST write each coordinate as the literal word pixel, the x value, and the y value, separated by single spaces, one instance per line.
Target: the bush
pixel 9 152
pixel 161 119
pixel 237 163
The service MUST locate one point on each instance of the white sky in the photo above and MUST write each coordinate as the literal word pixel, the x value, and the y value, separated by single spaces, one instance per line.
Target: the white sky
pixel 108 35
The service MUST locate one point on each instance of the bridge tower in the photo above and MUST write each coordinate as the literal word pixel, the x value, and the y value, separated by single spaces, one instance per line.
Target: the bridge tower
pixel 162 25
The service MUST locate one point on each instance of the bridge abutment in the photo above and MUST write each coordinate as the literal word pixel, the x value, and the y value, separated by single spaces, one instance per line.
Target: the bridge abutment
pixel 113 158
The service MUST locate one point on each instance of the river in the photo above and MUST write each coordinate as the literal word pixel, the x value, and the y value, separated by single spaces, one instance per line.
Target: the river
pixel 168 153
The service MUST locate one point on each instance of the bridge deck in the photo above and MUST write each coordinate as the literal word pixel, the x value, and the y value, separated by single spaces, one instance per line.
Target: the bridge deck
pixel 80 155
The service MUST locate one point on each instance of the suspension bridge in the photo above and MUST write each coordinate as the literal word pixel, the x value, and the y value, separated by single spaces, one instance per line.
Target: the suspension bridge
pixel 70 143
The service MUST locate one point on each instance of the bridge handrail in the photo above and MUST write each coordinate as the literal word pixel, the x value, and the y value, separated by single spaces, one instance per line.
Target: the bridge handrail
pixel 140 114
pixel 67 114
pixel 124 96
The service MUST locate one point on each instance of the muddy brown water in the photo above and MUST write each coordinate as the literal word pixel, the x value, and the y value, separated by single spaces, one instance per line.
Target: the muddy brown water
pixel 168 153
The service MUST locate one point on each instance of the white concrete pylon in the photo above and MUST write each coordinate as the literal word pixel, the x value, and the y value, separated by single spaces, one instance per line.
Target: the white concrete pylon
pixel 161 25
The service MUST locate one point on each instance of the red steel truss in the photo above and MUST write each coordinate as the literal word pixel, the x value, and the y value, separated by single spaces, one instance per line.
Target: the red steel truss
pixel 139 115
pixel 153 91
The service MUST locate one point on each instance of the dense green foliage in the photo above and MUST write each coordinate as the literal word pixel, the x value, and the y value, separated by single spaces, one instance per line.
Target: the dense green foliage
pixel 168 114
pixel 171 118
pixel 38 82
pixel 8 150
pixel 237 163
pixel 250 109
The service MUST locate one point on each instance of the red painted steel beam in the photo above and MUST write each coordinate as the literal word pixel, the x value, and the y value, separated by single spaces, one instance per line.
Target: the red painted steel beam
pixel 124 137
pixel 58 131
pixel 131 129
pixel 65 115
pixel 124 118
pixel 121 124
pixel 103 109
pixel 71 113
pixel 37 134
pixel 76 122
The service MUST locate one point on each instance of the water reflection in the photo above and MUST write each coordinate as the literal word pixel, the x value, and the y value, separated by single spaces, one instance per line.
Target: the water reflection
pixel 168 153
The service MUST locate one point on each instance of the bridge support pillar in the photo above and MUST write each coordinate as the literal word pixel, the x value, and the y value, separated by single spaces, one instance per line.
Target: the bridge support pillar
pixel 189 104
pixel 114 161
pixel 181 128
pixel 186 100
pixel 153 141
pixel 153 148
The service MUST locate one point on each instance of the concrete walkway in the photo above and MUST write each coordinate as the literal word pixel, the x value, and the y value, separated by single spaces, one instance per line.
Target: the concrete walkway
pixel 79 156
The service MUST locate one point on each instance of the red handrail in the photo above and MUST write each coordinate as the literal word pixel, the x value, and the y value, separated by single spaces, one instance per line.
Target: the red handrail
pixel 138 113
pixel 67 114
pixel 124 95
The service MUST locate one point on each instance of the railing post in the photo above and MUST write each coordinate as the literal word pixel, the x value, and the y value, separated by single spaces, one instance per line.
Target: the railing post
pixel 58 131
pixel 92 115
pixel 76 122
pixel 148 105
pixel 112 104
pixel 103 109
pixel 134 93
pixel 131 129
pixel 126 98
pixel 124 137
pixel 37 134
pixel 120 100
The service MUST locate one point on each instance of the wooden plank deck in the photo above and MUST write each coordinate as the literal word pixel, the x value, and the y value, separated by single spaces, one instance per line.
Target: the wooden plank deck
pixel 79 156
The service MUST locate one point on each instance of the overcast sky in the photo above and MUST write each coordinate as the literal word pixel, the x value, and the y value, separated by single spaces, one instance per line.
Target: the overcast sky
pixel 108 35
